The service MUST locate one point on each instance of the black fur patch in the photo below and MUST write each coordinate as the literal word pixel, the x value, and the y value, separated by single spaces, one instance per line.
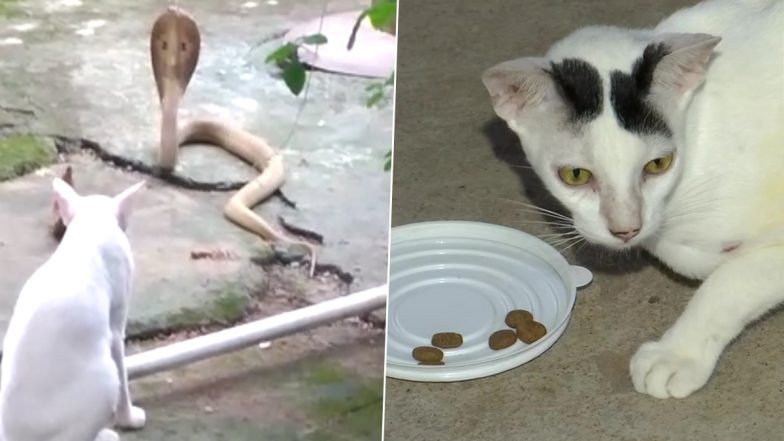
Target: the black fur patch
pixel 580 86
pixel 628 93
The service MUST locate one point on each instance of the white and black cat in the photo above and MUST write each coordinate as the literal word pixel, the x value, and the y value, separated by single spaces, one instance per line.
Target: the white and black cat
pixel 63 372
pixel 671 139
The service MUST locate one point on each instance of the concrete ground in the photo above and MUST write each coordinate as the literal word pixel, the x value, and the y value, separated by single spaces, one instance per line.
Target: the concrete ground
pixel 81 70
pixel 453 161
pixel 323 385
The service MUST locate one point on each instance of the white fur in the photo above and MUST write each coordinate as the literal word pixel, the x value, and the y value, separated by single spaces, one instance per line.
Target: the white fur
pixel 725 186
pixel 63 373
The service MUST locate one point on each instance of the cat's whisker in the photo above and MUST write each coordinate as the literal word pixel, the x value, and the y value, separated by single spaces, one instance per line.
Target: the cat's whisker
pixel 558 242
pixel 698 209
pixel 556 235
pixel 562 245
pixel 550 223
pixel 697 190
pixel 562 250
pixel 687 202
pixel 544 210
pixel 532 206
pixel 552 230
pixel 541 211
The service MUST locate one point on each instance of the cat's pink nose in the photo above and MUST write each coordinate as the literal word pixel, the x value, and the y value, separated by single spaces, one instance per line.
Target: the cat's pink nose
pixel 625 235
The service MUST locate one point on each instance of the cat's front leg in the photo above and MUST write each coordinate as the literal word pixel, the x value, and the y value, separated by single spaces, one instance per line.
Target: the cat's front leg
pixel 128 416
pixel 737 292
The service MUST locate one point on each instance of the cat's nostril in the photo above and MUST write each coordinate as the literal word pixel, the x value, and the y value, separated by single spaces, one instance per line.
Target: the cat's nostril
pixel 625 235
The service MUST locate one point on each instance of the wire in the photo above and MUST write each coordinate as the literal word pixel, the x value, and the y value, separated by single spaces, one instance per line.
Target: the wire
pixel 307 85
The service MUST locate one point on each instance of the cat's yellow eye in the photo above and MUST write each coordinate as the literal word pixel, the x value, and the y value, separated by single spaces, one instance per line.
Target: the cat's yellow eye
pixel 574 176
pixel 658 165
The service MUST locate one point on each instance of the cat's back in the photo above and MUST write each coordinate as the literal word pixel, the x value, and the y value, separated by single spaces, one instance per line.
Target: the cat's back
pixel 58 313
pixel 718 17
pixel 734 128
pixel 64 284
pixel 64 307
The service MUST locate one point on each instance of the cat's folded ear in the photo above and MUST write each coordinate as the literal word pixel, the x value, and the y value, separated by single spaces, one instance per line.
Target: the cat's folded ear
pixel 685 58
pixel 518 86
pixel 124 203
pixel 65 199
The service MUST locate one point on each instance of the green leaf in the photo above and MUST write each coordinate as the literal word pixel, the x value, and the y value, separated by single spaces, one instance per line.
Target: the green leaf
pixel 282 53
pixel 388 161
pixel 377 91
pixel 382 13
pixel 375 98
pixel 314 39
pixel 294 76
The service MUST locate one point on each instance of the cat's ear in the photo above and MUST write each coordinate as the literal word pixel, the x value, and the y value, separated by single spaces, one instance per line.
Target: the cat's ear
pixel 65 199
pixel 124 203
pixel 684 63
pixel 519 86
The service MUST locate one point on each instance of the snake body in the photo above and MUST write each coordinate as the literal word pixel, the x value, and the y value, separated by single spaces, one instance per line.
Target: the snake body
pixel 175 43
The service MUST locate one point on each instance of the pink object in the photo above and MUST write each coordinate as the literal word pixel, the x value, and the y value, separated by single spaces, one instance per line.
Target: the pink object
pixel 373 54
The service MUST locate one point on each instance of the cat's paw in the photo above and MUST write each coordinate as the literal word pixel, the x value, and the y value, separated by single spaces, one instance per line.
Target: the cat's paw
pixel 134 419
pixel 662 371
pixel 107 435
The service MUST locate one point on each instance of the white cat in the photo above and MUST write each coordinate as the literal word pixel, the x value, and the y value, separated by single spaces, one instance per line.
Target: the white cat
pixel 671 139
pixel 63 372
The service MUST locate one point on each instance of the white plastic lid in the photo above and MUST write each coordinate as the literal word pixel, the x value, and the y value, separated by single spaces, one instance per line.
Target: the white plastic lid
pixel 464 277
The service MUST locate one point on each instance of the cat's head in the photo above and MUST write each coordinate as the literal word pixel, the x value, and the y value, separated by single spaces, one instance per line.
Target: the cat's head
pixel 599 117
pixel 93 208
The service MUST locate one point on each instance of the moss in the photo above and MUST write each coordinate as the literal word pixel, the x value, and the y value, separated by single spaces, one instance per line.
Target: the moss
pixel 326 373
pixel 9 8
pixel 228 305
pixel 22 154
pixel 356 414
pixel 361 397
pixel 185 318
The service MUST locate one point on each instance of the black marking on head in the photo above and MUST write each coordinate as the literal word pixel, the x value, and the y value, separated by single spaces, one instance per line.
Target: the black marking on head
pixel 580 86
pixel 628 93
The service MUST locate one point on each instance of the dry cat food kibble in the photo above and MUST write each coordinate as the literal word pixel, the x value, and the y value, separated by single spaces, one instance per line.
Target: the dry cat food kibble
pixel 447 340
pixel 502 339
pixel 518 317
pixel 426 354
pixel 531 332
pixel 524 327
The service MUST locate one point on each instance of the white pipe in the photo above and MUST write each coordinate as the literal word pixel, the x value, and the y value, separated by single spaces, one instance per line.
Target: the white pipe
pixel 241 336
